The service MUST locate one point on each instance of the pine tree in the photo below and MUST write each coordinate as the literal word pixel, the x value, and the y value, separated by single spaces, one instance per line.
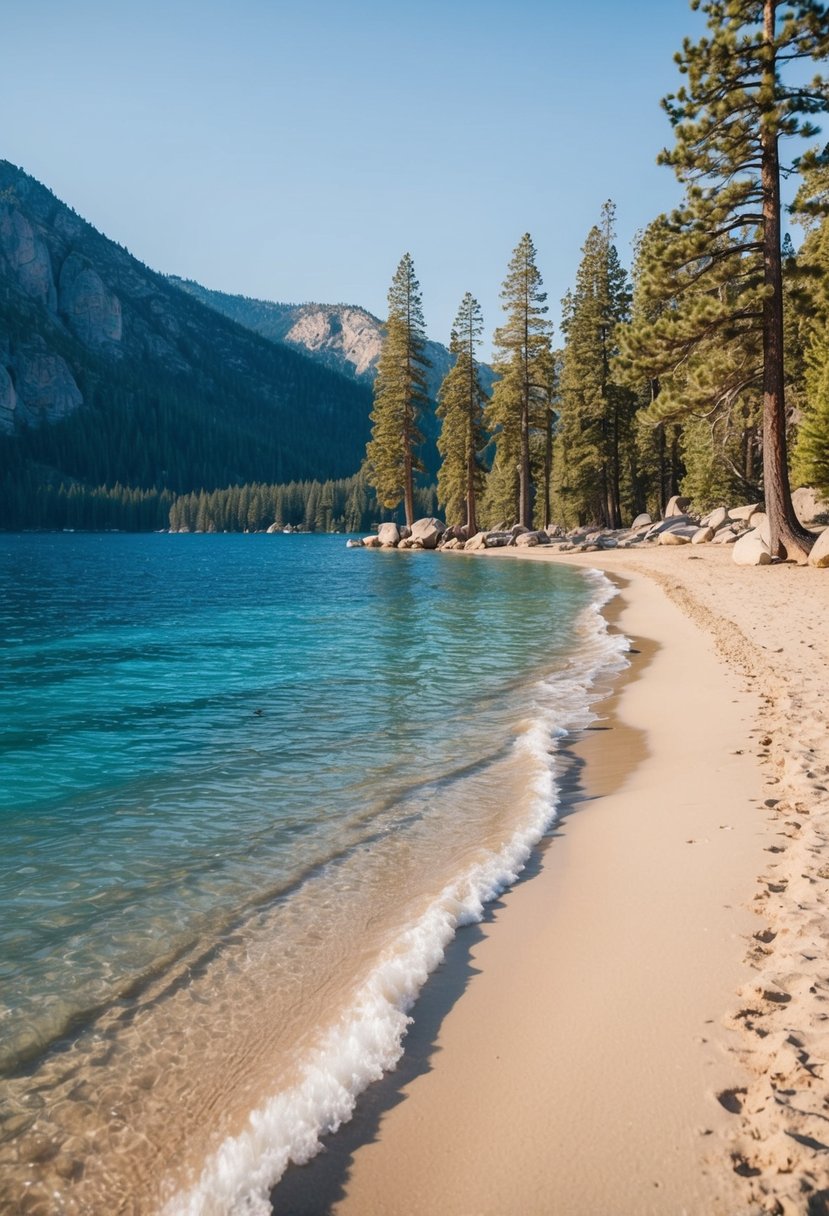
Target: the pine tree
pixel 657 442
pixel 523 363
pixel 399 395
pixel 811 322
pixel 460 407
pixel 595 436
pixel 720 256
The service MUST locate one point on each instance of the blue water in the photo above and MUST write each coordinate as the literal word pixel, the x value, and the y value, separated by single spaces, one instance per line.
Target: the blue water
pixel 193 729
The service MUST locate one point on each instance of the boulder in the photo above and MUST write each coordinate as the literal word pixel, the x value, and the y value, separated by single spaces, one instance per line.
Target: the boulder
pixel 718 518
pixel 349 544
pixel 743 512
pixel 809 505
pixel 725 536
pixel 278 528
pixel 518 530
pixel 819 555
pixel 644 518
pixel 702 536
pixel 371 542
pixel 678 536
pixel 425 532
pixel 760 522
pixel 526 540
pixel 388 535
pixel 478 541
pixel 677 506
pixel 406 543
pixel 752 550
pixel 667 525
pixel 405 532
pixel 497 540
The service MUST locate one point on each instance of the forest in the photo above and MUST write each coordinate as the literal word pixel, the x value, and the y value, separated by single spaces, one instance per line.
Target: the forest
pixel 703 369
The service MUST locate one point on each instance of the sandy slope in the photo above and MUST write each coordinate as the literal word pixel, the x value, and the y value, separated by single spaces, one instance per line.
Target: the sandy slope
pixel 639 1029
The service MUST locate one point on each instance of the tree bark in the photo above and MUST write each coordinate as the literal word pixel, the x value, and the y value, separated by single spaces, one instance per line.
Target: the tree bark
pixel 548 465
pixel 471 463
pixel 788 537
pixel 408 476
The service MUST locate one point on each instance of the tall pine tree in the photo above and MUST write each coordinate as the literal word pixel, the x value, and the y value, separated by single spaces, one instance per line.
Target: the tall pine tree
pixel 399 395
pixel 523 362
pixel 460 407
pixel 720 258
pixel 811 457
pixel 595 444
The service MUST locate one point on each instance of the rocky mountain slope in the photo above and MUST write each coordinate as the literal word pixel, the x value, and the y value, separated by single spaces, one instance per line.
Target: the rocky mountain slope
pixel 109 373
pixel 343 336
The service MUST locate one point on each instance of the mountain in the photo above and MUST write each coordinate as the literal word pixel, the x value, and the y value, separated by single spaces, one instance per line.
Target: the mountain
pixel 342 336
pixel 109 373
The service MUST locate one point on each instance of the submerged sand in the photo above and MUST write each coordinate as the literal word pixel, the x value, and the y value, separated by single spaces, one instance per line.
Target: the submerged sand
pixel 640 1028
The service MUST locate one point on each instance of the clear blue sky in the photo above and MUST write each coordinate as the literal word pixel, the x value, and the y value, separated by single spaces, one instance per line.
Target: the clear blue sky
pixel 294 151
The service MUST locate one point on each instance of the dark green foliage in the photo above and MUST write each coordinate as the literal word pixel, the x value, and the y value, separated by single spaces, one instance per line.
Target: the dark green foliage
pixel 716 344
pixel 460 408
pixel 811 325
pixel 186 399
pixel 521 396
pixel 400 395
pixel 595 452
pixel 346 505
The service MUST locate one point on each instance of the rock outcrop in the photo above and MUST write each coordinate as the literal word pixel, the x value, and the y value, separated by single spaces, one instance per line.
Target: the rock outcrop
pixel 751 550
pixel 36 387
pixel 810 506
pixel 426 533
pixel 746 528
pixel 343 336
pixel 388 534
pixel 75 302
pixel 92 312
pixel 819 555
pixel 27 257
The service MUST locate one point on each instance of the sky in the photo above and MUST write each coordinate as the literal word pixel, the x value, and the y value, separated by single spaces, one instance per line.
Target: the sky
pixel 295 151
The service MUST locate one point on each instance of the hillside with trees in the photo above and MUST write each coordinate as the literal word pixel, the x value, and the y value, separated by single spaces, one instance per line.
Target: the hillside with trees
pixel 109 375
pixel 125 401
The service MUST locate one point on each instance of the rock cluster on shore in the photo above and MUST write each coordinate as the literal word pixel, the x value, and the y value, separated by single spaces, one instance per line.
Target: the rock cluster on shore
pixel 744 527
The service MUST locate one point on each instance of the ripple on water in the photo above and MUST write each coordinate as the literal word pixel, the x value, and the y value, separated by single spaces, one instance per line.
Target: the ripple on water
pixel 229 790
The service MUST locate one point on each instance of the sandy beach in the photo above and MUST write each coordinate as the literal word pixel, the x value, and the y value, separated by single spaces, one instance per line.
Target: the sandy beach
pixel 638 1026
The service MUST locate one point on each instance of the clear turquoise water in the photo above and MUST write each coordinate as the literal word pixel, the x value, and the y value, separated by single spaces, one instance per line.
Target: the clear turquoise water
pixel 191 726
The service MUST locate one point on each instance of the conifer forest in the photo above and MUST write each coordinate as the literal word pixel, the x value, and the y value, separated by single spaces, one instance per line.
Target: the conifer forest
pixel 702 369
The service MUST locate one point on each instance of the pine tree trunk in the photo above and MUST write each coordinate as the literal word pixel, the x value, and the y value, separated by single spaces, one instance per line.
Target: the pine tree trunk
pixel 471 521
pixel 408 479
pixel 788 537
pixel 471 464
pixel 548 466
pixel 615 480
pixel 524 487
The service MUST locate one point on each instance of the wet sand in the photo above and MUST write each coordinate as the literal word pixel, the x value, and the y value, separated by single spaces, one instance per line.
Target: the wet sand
pixel 577 1052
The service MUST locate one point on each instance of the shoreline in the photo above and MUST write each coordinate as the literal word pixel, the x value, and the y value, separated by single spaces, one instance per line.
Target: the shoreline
pixel 533 1083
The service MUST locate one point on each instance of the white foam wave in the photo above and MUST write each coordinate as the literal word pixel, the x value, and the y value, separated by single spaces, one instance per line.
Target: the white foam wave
pixel 367 1040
